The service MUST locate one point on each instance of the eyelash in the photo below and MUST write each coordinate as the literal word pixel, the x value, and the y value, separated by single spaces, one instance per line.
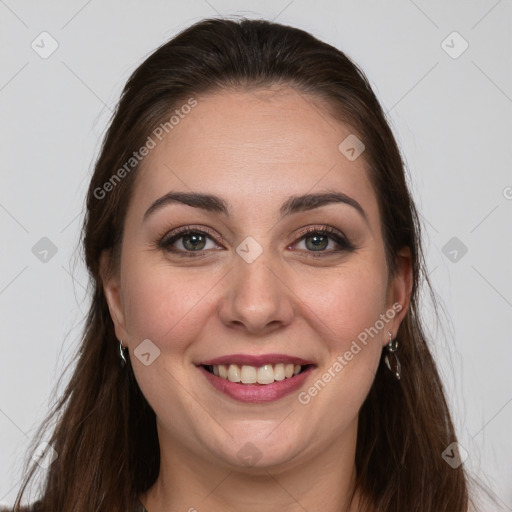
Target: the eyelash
pixel 165 242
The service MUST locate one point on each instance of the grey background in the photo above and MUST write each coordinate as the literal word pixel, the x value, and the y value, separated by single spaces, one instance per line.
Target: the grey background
pixel 451 117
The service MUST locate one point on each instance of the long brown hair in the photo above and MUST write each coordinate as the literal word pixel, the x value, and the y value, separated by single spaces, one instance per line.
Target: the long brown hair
pixel 102 428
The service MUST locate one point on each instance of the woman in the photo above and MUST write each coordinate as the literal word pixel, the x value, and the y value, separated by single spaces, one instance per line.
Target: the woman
pixel 254 340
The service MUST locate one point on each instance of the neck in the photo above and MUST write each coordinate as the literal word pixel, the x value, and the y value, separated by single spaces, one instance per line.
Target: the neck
pixel 325 482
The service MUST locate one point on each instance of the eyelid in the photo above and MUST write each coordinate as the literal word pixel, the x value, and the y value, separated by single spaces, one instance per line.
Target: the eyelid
pixel 184 230
pixel 331 232
pixel 336 235
pixel 322 228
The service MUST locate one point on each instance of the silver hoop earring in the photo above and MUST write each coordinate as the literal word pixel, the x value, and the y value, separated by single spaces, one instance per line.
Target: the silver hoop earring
pixel 392 347
pixel 122 355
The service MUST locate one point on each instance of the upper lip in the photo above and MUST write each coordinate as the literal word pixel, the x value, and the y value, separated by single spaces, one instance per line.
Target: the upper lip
pixel 255 360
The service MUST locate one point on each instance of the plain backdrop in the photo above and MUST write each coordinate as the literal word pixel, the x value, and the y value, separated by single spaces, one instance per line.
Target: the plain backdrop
pixel 449 101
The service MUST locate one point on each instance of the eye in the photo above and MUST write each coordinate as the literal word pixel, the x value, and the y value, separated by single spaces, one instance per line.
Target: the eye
pixel 188 242
pixel 324 239
pixel 192 242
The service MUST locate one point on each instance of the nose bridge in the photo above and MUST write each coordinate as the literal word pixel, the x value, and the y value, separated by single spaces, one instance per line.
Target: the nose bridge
pixel 257 297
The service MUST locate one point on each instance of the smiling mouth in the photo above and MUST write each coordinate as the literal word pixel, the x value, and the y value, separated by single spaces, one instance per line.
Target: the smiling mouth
pixel 262 375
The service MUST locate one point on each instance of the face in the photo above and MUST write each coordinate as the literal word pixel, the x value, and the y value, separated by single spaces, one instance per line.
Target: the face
pixel 261 277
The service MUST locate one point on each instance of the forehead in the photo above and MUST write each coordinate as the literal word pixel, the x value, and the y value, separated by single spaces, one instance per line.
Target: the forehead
pixel 255 148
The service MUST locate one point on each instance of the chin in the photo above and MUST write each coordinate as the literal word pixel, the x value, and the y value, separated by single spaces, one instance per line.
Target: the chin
pixel 258 457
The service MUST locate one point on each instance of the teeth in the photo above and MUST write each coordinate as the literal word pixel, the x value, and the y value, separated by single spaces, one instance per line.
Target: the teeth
pixel 265 374
pixel 234 373
pixel 248 374
pixel 279 373
pixel 223 370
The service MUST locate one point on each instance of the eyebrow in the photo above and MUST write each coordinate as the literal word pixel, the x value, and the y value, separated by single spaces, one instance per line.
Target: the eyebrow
pixel 216 204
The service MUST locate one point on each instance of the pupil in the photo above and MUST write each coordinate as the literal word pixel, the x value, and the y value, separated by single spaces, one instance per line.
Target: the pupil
pixel 195 241
pixel 319 241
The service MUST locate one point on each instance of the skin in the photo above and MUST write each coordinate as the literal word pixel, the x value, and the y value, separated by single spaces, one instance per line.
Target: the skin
pixel 255 150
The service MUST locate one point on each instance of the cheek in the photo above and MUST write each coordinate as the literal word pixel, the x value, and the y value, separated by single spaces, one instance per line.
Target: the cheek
pixel 162 304
pixel 166 303
pixel 348 312
pixel 346 303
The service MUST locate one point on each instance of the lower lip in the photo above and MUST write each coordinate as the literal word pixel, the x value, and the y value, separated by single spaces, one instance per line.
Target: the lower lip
pixel 257 392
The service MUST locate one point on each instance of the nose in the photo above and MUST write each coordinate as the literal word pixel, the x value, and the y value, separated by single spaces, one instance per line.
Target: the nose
pixel 257 298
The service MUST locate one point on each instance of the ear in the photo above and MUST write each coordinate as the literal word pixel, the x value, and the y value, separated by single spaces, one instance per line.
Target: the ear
pixel 112 290
pixel 400 289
